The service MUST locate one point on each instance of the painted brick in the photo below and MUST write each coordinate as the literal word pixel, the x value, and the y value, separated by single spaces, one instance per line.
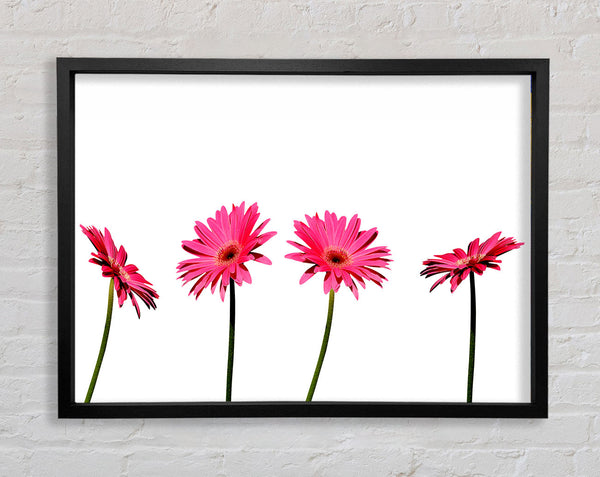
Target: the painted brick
pixel 585 49
pixel 574 279
pixel 44 15
pixel 571 350
pixel 20 316
pixel 183 463
pixel 35 87
pixel 569 430
pixel 468 462
pixel 574 204
pixel 471 17
pixel 431 16
pixel 575 166
pixel 564 240
pixel 587 461
pixel 565 128
pixel 576 389
pixel 332 16
pixel 61 462
pixel 23 395
pixel 16 462
pixel 593 129
pixel 90 15
pixel 558 49
pixel 548 462
pixel 24 355
pixel 574 312
pixel 128 47
pixel 563 91
pixel 380 17
pixel 27 207
pixel 183 16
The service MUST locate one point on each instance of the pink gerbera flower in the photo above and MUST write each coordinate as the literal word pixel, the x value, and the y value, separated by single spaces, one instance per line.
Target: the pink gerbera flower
pixel 127 280
pixel 340 250
pixel 457 265
pixel 220 253
pixel 222 250
pixel 124 279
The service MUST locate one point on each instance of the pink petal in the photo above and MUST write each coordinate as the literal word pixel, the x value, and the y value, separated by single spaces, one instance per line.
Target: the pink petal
pixel 308 274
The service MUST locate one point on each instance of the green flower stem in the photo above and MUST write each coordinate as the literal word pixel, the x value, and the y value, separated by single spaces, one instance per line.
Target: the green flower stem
pixel 109 309
pixel 315 378
pixel 231 339
pixel 472 341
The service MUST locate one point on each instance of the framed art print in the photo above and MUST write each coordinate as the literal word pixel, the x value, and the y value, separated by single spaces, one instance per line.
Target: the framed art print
pixel 255 238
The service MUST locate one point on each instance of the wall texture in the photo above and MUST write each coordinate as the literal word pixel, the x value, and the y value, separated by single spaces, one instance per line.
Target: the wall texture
pixel 34 442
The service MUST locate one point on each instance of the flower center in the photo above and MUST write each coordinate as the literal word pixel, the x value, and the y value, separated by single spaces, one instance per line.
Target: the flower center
pixel 118 269
pixel 228 253
pixel 470 259
pixel 336 257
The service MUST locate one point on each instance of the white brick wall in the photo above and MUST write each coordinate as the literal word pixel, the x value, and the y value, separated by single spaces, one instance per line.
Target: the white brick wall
pixel 33 33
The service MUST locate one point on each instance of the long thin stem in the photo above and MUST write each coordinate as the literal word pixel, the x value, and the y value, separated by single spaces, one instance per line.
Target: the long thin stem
pixel 109 309
pixel 472 340
pixel 231 339
pixel 315 378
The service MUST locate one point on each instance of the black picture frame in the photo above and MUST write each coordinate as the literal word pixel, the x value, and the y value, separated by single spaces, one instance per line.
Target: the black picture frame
pixel 537 69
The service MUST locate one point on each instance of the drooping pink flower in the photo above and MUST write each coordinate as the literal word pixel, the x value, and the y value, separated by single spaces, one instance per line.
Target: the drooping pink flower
pixel 222 249
pixel 457 265
pixel 340 250
pixel 127 280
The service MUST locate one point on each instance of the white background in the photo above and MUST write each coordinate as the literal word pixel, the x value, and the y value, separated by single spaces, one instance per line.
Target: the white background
pixel 431 162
